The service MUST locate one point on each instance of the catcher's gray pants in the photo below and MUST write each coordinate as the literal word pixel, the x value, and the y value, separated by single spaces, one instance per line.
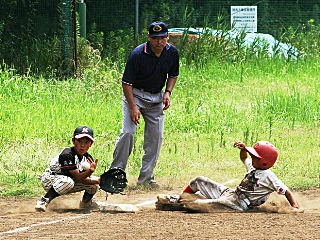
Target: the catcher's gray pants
pixel 64 184
pixel 218 193
pixel 151 108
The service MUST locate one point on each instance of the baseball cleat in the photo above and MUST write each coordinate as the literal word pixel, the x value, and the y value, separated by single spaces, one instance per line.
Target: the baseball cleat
pixel 89 205
pixel 42 204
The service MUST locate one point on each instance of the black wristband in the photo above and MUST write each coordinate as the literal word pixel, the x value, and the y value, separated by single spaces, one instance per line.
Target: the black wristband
pixel 168 91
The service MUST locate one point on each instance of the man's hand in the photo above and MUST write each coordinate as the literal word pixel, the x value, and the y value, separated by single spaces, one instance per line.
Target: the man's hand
pixel 166 101
pixel 134 110
pixel 135 115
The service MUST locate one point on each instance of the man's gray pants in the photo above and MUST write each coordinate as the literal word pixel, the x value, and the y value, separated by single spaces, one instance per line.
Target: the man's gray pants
pixel 151 109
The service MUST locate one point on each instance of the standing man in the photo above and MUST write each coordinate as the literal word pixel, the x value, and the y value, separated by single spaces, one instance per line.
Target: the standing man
pixel 150 66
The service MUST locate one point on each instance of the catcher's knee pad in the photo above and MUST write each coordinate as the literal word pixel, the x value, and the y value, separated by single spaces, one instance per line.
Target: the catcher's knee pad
pixel 63 184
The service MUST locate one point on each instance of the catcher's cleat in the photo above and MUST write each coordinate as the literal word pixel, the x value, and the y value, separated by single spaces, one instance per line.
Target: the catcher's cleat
pixel 169 203
pixel 89 205
pixel 42 204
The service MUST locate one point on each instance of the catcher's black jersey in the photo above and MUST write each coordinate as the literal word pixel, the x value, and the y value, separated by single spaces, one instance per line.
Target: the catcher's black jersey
pixel 69 160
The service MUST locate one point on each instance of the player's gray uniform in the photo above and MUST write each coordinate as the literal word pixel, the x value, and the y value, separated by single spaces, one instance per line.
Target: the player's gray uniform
pixel 151 108
pixel 253 190
pixel 62 181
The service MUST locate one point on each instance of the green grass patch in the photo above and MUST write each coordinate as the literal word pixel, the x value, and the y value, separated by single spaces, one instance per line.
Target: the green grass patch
pixel 212 106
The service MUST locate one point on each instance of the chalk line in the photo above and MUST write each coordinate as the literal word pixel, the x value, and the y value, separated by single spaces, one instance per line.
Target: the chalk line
pixel 21 229
pixel 145 203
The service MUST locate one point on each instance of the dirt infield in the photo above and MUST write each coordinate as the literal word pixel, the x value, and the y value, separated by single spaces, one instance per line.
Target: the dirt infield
pixel 272 221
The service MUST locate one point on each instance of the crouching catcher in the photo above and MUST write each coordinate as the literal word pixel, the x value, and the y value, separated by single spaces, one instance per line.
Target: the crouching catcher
pixel 71 171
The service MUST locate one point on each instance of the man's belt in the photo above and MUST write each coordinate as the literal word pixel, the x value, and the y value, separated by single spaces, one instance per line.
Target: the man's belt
pixel 152 91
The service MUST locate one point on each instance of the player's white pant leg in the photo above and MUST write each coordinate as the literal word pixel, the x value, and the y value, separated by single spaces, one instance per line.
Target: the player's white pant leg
pixel 78 187
pixel 62 184
pixel 47 179
pixel 125 140
pixel 228 200
pixel 207 187
pixel 217 193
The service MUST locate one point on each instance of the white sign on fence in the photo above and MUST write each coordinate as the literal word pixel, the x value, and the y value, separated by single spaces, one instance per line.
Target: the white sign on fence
pixel 244 17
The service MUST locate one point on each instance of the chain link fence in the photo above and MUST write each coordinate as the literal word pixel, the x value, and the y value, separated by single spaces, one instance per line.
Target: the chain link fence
pixel 40 35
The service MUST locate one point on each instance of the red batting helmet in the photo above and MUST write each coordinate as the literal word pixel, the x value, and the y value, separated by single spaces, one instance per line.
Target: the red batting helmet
pixel 267 153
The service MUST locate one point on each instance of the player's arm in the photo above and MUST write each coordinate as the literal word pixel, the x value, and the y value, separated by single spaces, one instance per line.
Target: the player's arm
pixel 291 199
pixel 134 111
pixel 84 176
pixel 91 181
pixel 243 151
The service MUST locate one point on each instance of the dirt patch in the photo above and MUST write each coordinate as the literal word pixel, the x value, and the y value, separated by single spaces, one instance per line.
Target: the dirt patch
pixel 272 221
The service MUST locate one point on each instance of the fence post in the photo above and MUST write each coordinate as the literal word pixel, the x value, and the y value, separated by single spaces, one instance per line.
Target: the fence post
pixel 68 66
pixel 136 24
pixel 81 6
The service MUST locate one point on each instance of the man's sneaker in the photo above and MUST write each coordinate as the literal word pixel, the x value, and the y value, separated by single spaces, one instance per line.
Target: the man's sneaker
pixel 92 204
pixel 154 185
pixel 150 185
pixel 42 204
pixel 169 203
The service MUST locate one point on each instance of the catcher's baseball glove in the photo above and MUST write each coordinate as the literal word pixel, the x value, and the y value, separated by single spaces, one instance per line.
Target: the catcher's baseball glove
pixel 113 181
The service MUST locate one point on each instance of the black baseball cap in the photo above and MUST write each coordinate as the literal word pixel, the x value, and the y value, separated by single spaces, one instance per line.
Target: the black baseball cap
pixel 83 131
pixel 158 29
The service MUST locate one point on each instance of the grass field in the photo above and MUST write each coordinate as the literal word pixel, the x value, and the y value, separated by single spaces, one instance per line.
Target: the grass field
pixel 212 106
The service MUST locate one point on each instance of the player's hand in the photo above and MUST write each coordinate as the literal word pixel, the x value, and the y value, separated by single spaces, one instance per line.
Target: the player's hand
pixel 93 164
pixel 95 180
pixel 243 151
pixel 239 145
pixel 298 210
